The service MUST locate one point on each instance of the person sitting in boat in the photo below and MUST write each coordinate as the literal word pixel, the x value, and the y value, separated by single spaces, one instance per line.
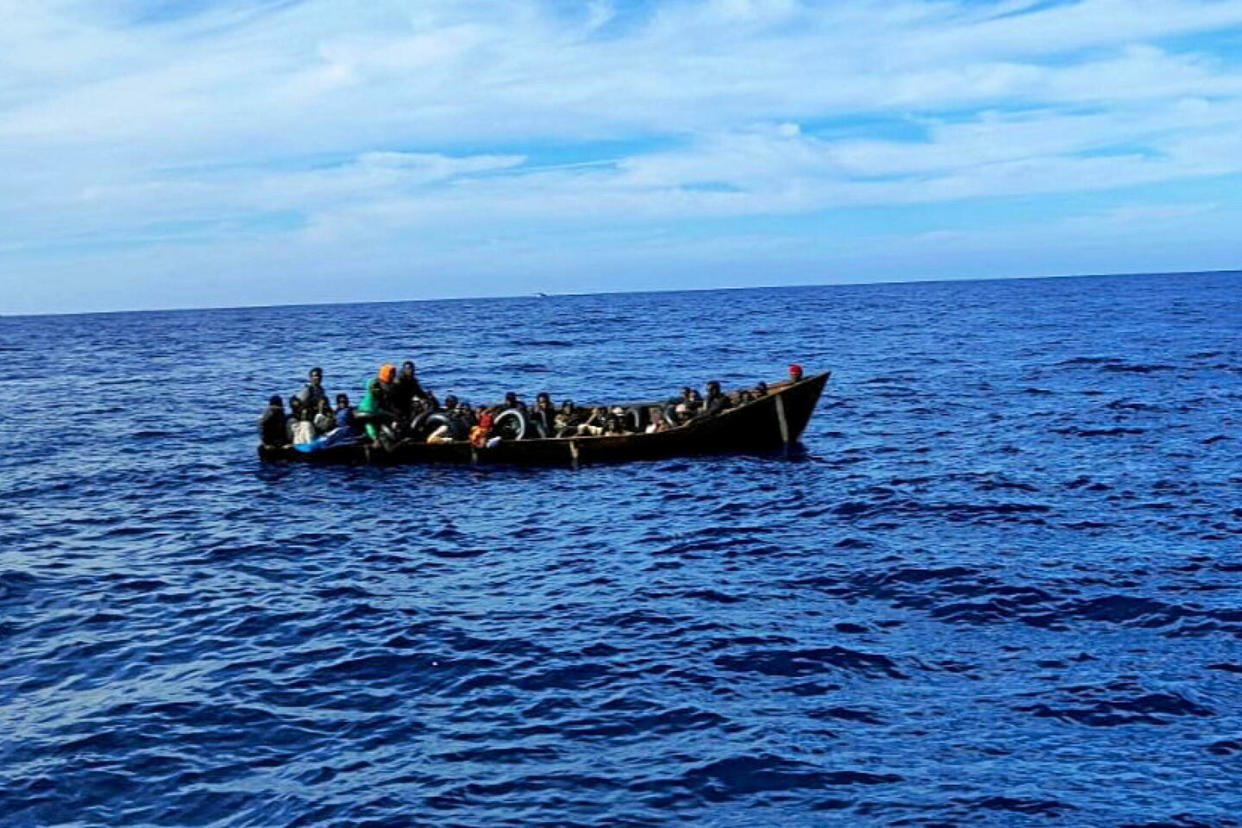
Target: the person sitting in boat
pixel 593 426
pixel 761 389
pixel 342 404
pixel 656 423
pixel 566 417
pixel 795 375
pixel 543 415
pixel 458 429
pixel 303 429
pixel 465 412
pixel 406 389
pixel 715 402
pixel 512 400
pixel 311 393
pixel 324 420
pixel 688 405
pixel 614 425
pixel 481 436
pixel 295 414
pixel 273 424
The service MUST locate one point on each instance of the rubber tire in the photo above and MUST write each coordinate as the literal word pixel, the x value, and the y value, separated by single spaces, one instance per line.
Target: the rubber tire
pixel 522 425
pixel 428 422
pixel 635 416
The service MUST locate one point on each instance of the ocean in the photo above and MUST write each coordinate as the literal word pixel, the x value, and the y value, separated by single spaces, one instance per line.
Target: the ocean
pixel 1001 586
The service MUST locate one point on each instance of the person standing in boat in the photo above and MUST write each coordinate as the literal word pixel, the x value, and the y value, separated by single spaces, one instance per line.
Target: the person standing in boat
pixel 312 392
pixel 376 404
pixel 274 424
pixel 406 389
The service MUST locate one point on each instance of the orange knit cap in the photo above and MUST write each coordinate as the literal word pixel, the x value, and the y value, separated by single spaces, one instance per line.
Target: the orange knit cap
pixel 387 372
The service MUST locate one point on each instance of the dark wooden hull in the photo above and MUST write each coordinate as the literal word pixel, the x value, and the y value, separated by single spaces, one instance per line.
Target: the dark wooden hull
pixel 768 423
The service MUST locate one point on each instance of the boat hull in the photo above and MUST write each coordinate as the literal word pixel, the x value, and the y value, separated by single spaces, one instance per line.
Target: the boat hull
pixel 771 422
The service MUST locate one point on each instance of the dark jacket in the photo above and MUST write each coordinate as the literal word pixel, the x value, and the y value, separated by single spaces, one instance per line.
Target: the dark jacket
pixel 716 404
pixel 544 418
pixel 273 430
pixel 310 395
pixel 404 391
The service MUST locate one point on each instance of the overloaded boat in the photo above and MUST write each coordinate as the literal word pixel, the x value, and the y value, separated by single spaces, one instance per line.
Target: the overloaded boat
pixel 773 421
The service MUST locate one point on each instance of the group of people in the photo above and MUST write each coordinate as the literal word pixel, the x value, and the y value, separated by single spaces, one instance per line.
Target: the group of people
pixel 397 406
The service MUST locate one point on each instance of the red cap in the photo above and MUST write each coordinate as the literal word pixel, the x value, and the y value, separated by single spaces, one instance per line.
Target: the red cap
pixel 795 368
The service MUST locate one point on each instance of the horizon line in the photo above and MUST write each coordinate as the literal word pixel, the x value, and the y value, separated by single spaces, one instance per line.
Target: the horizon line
pixel 542 295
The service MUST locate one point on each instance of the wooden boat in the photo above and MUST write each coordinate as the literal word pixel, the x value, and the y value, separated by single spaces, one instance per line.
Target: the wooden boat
pixel 767 423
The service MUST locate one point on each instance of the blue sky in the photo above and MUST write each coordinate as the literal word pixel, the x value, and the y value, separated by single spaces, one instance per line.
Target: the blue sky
pixel 235 152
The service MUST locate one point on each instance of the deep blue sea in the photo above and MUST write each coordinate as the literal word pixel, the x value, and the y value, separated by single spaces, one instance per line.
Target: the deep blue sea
pixel 1003 586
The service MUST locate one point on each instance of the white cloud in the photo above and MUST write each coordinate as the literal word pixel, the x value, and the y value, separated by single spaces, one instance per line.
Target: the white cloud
pixel 327 122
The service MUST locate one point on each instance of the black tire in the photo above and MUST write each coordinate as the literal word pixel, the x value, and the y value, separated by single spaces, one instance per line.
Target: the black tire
pixel 635 416
pixel 428 422
pixel 512 424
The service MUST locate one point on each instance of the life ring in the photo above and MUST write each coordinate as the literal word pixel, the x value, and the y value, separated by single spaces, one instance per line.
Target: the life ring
pixel 512 424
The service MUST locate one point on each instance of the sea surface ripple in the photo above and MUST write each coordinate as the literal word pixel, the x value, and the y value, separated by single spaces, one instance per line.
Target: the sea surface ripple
pixel 1002 585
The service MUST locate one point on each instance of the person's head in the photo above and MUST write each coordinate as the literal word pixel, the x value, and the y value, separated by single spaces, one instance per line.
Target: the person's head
pixel 375 386
pixel 407 368
pixel 323 407
pixel 315 376
pixel 567 406
pixel 295 405
pixel 387 372
pixel 744 396
pixel 275 401
pixel 306 414
pixel 654 413
pixel 342 401
pixel 450 402
pixel 713 389
pixel 795 372
pixel 761 389
pixel 543 400
pixel 511 398
pixel 687 392
pixel 695 396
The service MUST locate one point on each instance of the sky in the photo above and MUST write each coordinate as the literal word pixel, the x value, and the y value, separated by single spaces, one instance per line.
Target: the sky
pixel 204 153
